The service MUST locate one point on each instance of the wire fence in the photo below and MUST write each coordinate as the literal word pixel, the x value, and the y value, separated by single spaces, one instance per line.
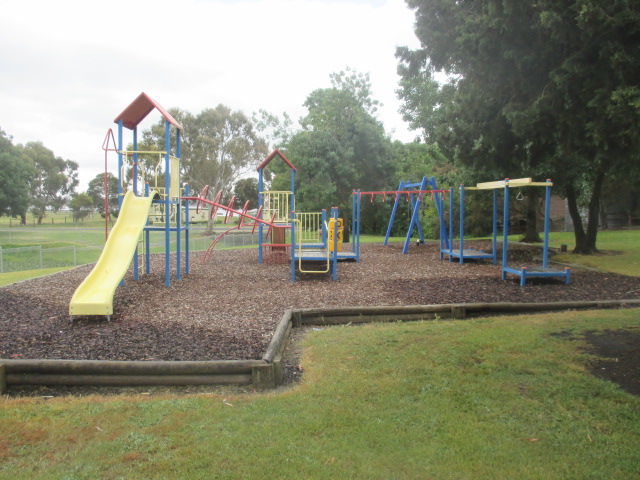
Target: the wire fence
pixel 16 259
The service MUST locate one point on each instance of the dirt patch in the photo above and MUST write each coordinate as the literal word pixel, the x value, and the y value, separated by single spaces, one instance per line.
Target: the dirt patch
pixel 619 357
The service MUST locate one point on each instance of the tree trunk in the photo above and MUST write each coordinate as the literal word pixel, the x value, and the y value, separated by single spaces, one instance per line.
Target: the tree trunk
pixel 594 211
pixel 578 229
pixel 531 234
pixel 23 219
pixel 210 224
pixel 585 241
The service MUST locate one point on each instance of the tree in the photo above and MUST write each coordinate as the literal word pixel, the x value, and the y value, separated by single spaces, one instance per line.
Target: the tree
pixel 342 146
pixel 246 189
pixel 277 131
pixel 14 179
pixel 96 191
pixel 54 179
pixel 81 206
pixel 540 88
pixel 218 146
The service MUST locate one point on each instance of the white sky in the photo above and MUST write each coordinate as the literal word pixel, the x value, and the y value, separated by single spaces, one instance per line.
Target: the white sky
pixel 68 68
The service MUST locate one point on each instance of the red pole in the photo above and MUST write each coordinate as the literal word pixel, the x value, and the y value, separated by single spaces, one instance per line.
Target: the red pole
pixel 105 147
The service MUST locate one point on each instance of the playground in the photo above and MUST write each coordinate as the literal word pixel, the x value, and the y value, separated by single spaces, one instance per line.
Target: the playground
pixel 229 307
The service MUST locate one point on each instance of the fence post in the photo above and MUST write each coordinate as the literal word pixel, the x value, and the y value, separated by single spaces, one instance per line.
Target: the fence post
pixel 1 261
pixel 40 255
pixel 75 256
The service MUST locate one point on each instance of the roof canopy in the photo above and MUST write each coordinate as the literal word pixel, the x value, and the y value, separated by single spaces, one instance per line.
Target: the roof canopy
pixel 274 154
pixel 139 109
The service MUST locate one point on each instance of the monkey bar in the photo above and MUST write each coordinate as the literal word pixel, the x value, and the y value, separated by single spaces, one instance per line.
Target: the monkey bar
pixel 414 194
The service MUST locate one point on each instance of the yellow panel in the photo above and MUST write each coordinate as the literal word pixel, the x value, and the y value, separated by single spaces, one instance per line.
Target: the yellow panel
pixel 515 182
pixel 94 296
pixel 175 177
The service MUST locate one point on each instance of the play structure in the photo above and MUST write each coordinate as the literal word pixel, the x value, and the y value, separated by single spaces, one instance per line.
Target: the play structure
pixel 310 241
pixel 95 294
pixel 461 253
pixel 542 271
pixel 414 193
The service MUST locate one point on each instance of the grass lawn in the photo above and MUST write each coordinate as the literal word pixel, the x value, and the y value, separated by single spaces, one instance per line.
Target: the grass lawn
pixel 504 397
pixel 619 251
pixel 13 277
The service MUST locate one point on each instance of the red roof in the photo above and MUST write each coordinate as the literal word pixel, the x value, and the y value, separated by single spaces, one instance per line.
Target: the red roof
pixel 274 154
pixel 139 109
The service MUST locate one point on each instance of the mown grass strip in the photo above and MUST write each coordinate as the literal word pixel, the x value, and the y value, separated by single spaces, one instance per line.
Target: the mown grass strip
pixel 502 397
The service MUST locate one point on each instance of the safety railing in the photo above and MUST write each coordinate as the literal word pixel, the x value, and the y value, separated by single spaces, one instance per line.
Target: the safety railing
pixel 277 205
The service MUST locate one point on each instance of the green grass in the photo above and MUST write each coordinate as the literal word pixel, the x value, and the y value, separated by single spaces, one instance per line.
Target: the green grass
pixel 619 251
pixel 502 397
pixel 13 277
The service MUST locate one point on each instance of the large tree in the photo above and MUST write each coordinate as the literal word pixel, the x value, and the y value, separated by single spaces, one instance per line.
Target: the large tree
pixel 96 190
pixel 219 145
pixel 14 179
pixel 342 145
pixel 53 181
pixel 81 206
pixel 536 88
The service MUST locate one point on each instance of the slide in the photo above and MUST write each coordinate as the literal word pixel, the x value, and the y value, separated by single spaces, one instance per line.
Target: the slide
pixel 94 296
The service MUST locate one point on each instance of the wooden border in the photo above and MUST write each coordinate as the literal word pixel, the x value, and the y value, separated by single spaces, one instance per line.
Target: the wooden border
pixel 267 372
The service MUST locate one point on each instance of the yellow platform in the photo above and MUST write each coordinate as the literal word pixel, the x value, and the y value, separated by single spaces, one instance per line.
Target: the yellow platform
pixel 94 296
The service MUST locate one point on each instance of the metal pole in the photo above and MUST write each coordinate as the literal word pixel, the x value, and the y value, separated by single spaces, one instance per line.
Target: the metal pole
pixel 495 225
pixel 462 223
pixel 547 214
pixel 505 229
pixel 167 203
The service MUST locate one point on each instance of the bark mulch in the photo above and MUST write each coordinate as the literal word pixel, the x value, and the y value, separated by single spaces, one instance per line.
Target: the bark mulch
pixel 229 307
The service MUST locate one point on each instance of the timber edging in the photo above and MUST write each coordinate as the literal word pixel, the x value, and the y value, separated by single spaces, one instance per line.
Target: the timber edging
pixel 267 372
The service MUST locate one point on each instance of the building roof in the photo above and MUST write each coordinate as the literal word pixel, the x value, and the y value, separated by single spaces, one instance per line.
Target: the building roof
pixel 139 109
pixel 274 154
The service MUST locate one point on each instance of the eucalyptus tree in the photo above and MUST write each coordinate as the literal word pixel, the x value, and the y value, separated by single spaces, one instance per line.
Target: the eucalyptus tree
pixel 15 174
pixel 218 146
pixel 53 179
pixel 96 190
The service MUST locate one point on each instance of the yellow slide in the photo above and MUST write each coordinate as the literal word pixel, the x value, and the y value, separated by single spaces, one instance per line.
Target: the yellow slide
pixel 94 296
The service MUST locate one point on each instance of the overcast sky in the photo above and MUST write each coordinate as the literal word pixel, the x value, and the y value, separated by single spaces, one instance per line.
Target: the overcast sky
pixel 68 68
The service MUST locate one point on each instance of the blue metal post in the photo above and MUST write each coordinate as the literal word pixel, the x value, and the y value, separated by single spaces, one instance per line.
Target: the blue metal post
pixel 462 223
pixel 167 203
pixel 293 246
pixel 393 215
pixel 260 204
pixel 505 229
pixel 134 174
pixel 495 226
pixel 187 193
pixel 147 242
pixel 334 260
pixel 547 214
pixel 178 216
pixel 451 197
